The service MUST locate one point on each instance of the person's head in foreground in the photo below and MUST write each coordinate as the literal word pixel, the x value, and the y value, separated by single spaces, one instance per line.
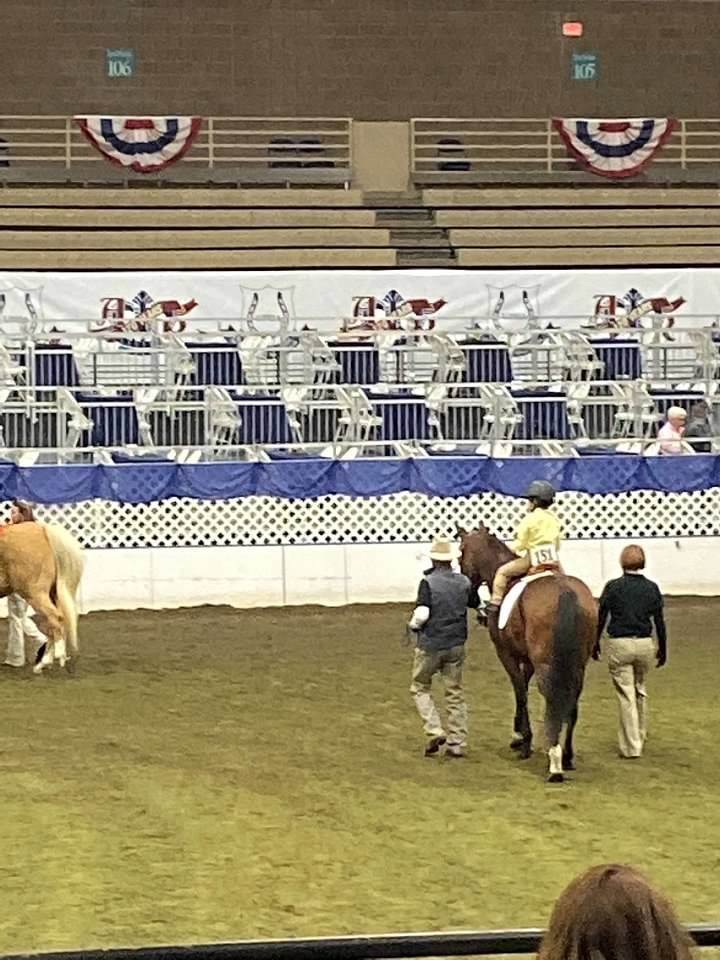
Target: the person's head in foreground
pixel 611 912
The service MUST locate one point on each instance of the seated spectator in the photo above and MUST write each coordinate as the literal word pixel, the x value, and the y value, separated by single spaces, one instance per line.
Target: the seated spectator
pixel 612 912
pixel 699 426
pixel 671 433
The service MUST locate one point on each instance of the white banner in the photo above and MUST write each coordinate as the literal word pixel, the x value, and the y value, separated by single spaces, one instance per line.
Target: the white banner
pixel 354 303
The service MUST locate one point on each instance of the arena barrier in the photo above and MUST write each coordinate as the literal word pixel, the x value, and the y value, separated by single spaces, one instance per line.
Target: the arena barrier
pixel 296 477
pixel 401 945
pixel 311 531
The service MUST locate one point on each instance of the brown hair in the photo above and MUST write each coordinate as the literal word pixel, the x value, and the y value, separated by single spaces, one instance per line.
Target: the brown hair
pixel 611 912
pixel 25 509
pixel 632 558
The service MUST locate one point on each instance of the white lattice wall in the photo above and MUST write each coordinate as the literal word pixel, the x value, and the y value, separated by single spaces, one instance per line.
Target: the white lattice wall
pixel 396 518
pixel 267 551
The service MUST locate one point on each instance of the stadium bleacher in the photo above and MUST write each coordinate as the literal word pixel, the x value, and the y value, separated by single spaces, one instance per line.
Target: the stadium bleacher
pixel 95 229
pixel 210 391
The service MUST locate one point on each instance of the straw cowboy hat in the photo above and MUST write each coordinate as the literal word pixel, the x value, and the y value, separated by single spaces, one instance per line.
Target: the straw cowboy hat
pixel 442 550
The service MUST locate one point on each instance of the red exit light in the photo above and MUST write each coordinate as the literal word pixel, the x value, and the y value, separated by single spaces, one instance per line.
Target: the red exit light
pixel 572 28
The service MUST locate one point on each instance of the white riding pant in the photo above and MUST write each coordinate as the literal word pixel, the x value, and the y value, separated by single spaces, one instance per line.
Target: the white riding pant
pixel 20 625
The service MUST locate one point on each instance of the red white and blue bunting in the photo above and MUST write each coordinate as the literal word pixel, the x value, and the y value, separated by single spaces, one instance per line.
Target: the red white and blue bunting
pixel 614 148
pixel 142 144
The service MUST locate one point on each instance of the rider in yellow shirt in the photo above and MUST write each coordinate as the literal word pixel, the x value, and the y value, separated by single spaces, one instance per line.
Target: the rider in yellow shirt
pixel 537 530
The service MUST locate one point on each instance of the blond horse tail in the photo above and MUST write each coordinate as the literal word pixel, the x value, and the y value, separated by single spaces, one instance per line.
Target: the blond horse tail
pixel 69 564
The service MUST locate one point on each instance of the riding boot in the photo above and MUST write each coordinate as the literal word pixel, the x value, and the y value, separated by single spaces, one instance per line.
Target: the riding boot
pixel 492 611
pixel 484 609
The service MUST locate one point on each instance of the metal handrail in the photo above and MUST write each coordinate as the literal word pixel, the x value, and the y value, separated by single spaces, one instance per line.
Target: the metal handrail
pixel 401 946
pixel 503 142
pixel 507 142
pixel 131 358
pixel 475 417
pixel 242 141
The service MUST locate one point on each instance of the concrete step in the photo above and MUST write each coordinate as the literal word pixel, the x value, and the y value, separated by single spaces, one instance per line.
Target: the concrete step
pixel 412 216
pixel 426 257
pixel 392 200
pixel 432 237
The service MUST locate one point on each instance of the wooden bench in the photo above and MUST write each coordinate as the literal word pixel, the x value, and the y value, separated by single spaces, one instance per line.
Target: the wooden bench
pixel 156 240
pixel 618 196
pixel 208 218
pixel 588 256
pixel 177 197
pixel 288 258
pixel 628 235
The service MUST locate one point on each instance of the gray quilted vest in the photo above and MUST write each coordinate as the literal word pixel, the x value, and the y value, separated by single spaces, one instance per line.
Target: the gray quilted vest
pixel 447 625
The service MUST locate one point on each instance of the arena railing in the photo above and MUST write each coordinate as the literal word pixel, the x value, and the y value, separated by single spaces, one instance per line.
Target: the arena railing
pixel 450 148
pixel 210 422
pixel 537 391
pixel 208 352
pixel 401 946
pixel 236 149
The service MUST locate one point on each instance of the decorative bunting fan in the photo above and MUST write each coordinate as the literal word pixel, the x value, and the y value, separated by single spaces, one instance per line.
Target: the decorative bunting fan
pixel 142 144
pixel 614 148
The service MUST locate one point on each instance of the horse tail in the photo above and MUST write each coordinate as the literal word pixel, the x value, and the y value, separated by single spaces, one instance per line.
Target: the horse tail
pixel 566 662
pixel 69 564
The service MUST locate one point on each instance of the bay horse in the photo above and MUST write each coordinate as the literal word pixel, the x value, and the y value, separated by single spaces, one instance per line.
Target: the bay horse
pixel 550 633
pixel 43 564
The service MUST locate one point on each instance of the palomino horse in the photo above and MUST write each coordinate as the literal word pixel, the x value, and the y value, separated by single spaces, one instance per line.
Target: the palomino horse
pixel 551 633
pixel 43 564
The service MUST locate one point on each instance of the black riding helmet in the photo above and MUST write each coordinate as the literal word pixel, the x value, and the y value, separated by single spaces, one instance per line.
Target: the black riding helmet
pixel 541 492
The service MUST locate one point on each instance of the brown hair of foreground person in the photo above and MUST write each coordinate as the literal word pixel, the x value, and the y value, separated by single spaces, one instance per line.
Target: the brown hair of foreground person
pixel 611 912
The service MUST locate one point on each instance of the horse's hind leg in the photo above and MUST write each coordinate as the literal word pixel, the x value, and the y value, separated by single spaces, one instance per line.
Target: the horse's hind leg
pixel 568 753
pixel 554 722
pixel 553 730
pixel 48 613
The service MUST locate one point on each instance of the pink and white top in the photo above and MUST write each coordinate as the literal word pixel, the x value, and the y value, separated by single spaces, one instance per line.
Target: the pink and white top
pixel 670 439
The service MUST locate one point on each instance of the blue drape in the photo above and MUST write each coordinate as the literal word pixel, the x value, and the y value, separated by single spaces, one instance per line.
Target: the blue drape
pixel 143 482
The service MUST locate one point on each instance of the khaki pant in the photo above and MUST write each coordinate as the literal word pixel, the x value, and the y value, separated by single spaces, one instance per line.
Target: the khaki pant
pixel 629 659
pixel 20 625
pixel 513 568
pixel 448 663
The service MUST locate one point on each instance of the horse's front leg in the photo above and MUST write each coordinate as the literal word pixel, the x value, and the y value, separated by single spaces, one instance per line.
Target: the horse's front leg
pixel 520 678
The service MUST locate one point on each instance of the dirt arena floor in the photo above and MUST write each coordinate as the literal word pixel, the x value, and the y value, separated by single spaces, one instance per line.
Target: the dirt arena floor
pixel 215 774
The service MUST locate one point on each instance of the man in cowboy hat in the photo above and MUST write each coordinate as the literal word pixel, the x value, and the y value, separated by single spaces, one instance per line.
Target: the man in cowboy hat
pixel 439 621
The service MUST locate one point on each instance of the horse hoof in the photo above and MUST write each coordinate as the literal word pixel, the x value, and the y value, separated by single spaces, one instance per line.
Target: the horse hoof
pixel 525 751
pixel 568 764
pixel 556 778
pixel 37 668
pixel 516 744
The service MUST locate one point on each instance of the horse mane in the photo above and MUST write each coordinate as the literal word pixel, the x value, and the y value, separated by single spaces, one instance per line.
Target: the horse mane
pixel 504 553
pixel 491 555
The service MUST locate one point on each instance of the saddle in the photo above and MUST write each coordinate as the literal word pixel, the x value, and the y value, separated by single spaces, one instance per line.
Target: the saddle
pixel 549 566
pixel 515 592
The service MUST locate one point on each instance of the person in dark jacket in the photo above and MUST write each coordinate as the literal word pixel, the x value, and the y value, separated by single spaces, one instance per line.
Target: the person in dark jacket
pixel 698 425
pixel 630 603
pixel 440 623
